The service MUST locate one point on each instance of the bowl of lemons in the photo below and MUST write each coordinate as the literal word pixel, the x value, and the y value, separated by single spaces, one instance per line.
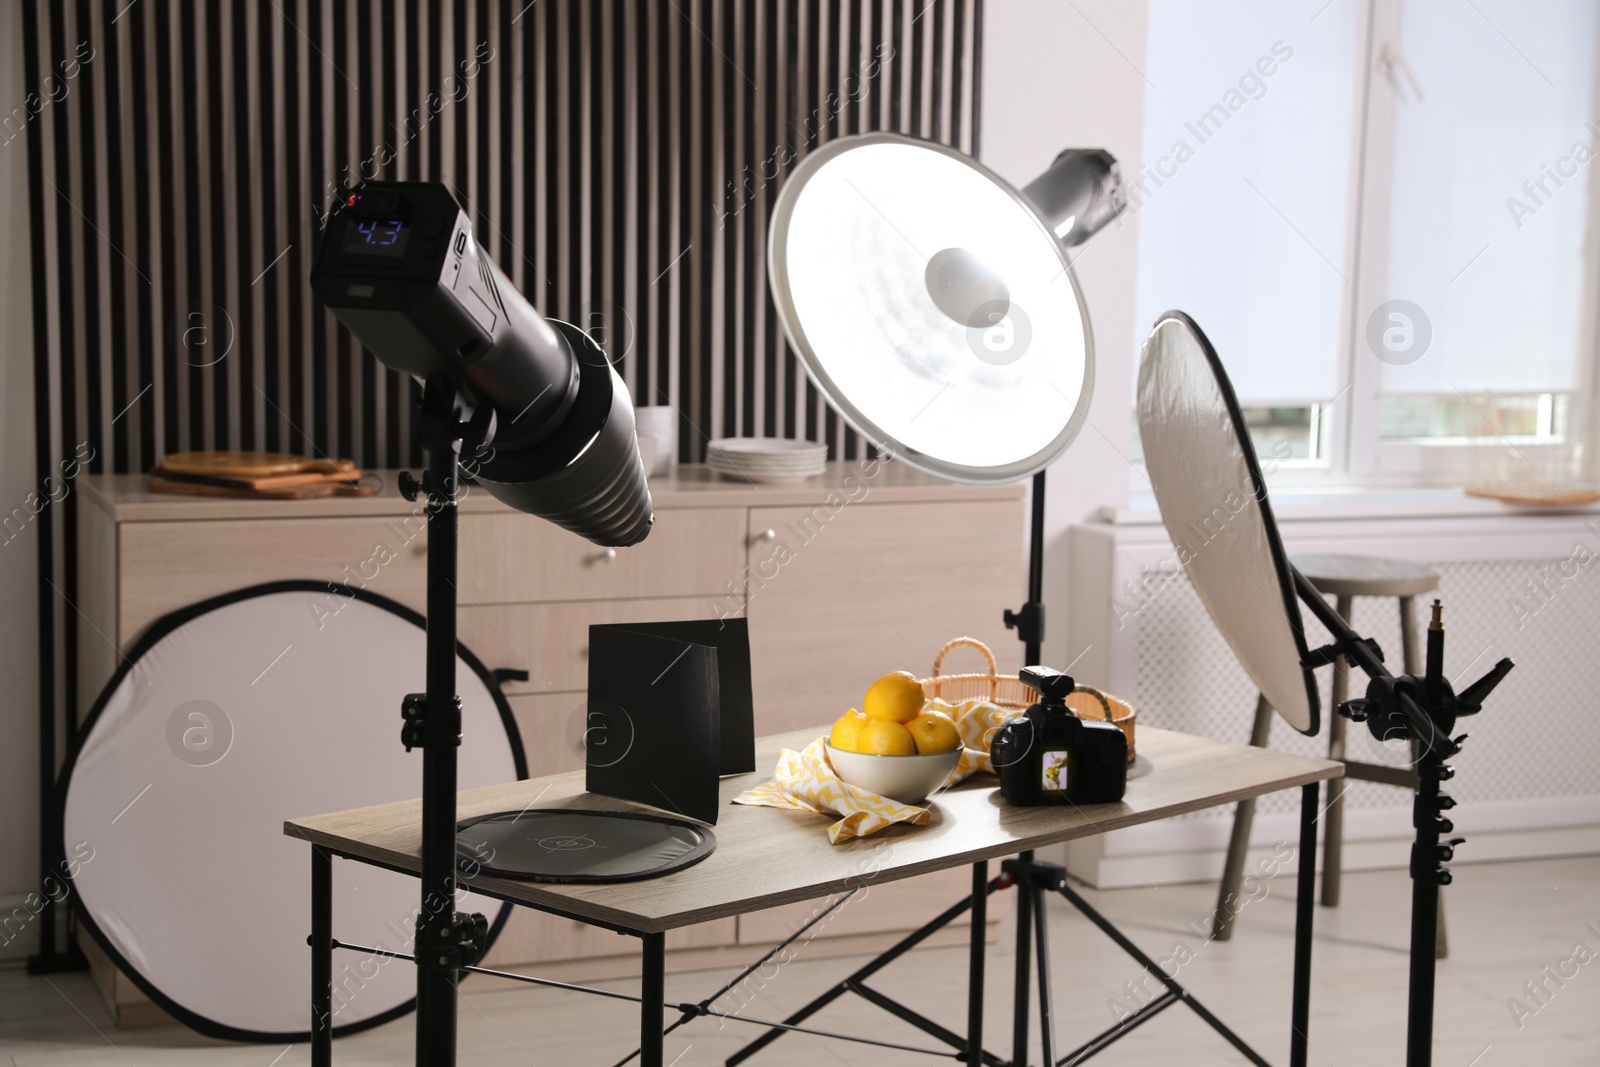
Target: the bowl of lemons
pixel 895 746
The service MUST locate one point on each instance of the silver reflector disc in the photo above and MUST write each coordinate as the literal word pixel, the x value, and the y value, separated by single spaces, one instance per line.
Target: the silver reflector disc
pixel 229 718
pixel 932 306
pixel 1203 470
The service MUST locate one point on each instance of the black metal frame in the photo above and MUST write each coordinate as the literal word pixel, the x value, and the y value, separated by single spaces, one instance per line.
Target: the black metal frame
pixel 1032 879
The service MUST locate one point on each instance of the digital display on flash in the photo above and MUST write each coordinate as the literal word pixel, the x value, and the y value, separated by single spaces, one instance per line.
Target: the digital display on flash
pixel 376 237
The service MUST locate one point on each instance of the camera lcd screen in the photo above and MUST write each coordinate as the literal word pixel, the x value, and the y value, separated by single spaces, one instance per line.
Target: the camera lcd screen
pixel 376 237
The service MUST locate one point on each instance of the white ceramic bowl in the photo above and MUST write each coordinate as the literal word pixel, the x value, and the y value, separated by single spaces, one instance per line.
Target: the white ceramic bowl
pixel 906 779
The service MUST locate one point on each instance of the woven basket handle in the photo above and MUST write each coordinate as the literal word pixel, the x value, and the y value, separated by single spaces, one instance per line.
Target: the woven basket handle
pixel 972 642
pixel 1105 704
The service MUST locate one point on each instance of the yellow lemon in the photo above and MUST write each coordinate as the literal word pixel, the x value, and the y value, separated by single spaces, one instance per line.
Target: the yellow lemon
pixel 881 737
pixel 895 697
pixel 934 731
pixel 846 729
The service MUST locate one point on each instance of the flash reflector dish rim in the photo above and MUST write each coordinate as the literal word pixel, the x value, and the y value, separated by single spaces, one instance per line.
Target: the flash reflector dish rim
pixel 780 283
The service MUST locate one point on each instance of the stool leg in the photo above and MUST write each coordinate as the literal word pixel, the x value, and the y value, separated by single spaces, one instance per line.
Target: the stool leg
pixel 1333 827
pixel 1239 841
pixel 1413 662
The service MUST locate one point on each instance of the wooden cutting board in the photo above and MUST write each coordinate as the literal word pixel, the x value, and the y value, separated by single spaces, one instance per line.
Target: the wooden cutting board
pixel 299 492
pixel 254 470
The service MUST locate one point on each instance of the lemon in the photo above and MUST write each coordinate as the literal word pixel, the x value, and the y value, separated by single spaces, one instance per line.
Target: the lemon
pixel 934 731
pixel 880 737
pixel 895 697
pixel 846 729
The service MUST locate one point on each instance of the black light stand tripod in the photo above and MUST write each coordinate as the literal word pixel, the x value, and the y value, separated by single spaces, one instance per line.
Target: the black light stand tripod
pixel 1424 711
pixel 446 940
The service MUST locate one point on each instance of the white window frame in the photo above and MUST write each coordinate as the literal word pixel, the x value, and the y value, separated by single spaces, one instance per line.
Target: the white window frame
pixel 1355 455
pixel 1368 459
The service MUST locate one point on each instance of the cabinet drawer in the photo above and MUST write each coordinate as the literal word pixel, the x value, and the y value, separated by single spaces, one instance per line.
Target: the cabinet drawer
pixel 551 641
pixel 511 558
pixel 168 565
pixel 551 725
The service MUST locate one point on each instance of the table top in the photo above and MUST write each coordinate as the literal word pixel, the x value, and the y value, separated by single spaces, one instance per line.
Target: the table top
pixel 771 856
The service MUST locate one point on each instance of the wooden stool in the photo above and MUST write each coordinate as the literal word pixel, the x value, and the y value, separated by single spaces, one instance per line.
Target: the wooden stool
pixel 1344 578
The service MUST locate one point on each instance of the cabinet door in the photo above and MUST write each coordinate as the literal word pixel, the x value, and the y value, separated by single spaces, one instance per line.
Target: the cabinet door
pixel 836 598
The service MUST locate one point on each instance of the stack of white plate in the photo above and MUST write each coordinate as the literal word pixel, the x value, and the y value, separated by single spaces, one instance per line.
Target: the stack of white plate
pixel 766 459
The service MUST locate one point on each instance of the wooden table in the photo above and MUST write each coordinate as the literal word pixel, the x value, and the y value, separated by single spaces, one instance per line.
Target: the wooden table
pixel 767 856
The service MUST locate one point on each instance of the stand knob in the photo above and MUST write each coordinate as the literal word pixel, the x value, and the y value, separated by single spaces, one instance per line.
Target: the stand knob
pixel 1445 801
pixel 1446 850
pixel 409 486
pixel 1443 825
pixel 1443 876
pixel 1445 772
pixel 1355 710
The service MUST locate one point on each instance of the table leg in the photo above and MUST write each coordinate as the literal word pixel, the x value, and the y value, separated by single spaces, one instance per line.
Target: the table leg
pixel 652 994
pixel 1305 891
pixel 980 910
pixel 321 957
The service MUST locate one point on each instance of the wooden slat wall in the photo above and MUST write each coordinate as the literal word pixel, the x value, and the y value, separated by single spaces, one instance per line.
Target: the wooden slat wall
pixel 619 159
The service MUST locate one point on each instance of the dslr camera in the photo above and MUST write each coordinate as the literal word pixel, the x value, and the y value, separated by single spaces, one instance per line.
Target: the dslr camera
pixel 1048 755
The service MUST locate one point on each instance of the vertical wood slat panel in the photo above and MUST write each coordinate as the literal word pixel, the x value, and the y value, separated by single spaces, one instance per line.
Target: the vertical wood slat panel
pixel 620 158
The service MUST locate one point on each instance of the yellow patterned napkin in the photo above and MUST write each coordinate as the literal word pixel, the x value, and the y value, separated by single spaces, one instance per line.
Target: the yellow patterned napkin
pixel 805 781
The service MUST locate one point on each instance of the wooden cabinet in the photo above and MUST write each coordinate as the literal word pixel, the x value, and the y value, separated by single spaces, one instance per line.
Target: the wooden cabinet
pixel 836 598
pixel 866 569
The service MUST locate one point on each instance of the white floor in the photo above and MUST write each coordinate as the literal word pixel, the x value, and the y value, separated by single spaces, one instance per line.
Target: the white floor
pixel 1508 922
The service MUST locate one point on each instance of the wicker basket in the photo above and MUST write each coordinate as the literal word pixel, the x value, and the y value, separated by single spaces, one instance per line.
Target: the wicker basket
pixel 1008 691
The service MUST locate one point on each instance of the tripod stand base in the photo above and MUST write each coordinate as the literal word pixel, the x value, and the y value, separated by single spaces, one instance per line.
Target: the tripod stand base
pixel 1032 880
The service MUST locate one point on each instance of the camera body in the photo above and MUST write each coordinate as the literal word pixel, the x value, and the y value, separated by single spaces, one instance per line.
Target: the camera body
pixel 1048 755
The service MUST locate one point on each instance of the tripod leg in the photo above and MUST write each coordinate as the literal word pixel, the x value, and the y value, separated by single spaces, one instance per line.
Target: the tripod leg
pixel 980 915
pixel 1047 1034
pixel 1019 994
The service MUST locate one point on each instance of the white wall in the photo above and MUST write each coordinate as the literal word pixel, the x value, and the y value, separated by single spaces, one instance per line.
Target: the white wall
pixel 19 647
pixel 1058 75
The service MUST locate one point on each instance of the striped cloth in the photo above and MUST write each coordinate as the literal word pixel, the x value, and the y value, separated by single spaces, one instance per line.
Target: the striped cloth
pixel 805 781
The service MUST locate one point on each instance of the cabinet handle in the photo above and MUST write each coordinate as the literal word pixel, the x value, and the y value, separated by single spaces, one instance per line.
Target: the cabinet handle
pixel 604 556
pixel 767 536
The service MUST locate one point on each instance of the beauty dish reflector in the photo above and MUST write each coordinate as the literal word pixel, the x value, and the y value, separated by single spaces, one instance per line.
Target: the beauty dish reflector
pixel 228 718
pixel 933 306
pixel 1213 499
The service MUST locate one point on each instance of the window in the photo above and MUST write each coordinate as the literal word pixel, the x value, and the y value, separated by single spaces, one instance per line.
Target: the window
pixel 1380 212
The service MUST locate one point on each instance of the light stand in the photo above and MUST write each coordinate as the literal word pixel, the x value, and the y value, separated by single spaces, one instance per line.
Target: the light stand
pixel 1423 710
pixel 398 265
pixel 1028 620
pixel 447 940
